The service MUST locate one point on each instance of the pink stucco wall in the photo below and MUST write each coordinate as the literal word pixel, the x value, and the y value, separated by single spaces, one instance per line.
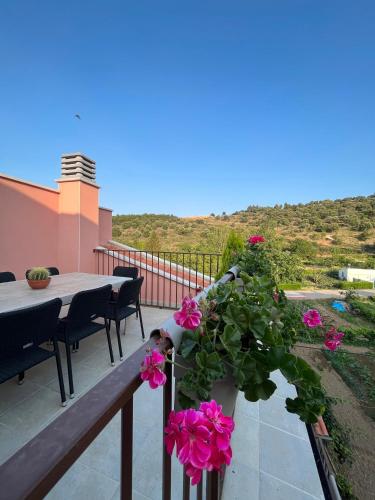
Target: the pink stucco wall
pixel 105 225
pixel 40 226
pixel 28 226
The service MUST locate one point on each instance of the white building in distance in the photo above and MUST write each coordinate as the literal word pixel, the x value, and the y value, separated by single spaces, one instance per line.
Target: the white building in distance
pixel 353 274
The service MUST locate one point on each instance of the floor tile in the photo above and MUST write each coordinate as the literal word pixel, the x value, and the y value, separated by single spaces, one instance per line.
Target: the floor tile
pixel 83 483
pixel 273 489
pixel 245 442
pixel 289 459
pixel 273 412
pixel 284 389
pixel 10 441
pixel 248 408
pixel 241 482
pixel 11 394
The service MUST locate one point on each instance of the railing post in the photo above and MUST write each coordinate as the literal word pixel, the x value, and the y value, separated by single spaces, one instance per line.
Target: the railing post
pixel 212 486
pixel 167 406
pixel 186 486
pixel 200 489
pixel 127 450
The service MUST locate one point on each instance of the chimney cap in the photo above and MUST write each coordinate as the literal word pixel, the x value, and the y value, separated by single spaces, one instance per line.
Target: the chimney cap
pixel 78 166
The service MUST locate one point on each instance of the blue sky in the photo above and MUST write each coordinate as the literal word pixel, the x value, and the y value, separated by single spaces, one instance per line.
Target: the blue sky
pixel 192 106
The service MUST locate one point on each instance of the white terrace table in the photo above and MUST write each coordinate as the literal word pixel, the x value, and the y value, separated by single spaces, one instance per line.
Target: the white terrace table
pixel 18 295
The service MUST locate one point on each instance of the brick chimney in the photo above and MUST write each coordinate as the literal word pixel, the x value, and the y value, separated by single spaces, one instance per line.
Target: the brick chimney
pixel 79 213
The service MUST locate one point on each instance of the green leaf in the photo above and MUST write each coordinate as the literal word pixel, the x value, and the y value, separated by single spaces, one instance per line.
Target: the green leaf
pixel 211 364
pixel 231 340
pixel 237 316
pixel 245 277
pixel 185 401
pixel 275 357
pixel 260 391
pixel 189 343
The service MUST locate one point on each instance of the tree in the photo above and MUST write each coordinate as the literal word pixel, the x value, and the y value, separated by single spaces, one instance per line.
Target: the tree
pixel 304 248
pixel 233 248
pixel 153 242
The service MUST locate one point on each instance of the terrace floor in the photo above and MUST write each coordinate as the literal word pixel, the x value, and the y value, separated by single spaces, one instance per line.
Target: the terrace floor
pixel 272 457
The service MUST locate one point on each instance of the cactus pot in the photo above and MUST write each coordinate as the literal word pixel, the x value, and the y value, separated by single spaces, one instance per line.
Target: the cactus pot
pixel 39 284
pixel 224 391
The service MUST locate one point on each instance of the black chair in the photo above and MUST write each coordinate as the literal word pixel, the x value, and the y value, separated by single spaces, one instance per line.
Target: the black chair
pixel 126 304
pixel 7 276
pixel 53 271
pixel 79 323
pixel 21 334
pixel 126 272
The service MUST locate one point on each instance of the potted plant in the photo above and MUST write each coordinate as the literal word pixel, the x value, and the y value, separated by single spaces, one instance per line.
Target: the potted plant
pixel 231 339
pixel 38 277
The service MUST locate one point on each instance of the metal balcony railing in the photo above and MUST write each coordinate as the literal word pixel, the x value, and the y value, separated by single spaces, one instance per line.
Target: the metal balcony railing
pixel 168 276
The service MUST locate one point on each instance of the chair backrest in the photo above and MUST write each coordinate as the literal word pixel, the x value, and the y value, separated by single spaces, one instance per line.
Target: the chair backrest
pixel 88 305
pixel 28 327
pixel 7 276
pixel 53 271
pixel 129 292
pixel 126 272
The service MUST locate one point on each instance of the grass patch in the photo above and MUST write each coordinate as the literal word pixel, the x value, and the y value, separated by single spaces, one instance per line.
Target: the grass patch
pixel 355 285
pixel 358 374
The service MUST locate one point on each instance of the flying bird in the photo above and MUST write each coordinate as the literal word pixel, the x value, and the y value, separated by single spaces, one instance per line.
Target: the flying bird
pixel 77 116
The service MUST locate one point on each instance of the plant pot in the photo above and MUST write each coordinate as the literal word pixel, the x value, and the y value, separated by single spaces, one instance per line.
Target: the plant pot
pixel 224 392
pixel 39 284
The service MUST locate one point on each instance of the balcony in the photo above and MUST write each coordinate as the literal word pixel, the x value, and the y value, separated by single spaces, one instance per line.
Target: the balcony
pixel 272 455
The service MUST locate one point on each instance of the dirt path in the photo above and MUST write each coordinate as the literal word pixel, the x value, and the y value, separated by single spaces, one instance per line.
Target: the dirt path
pixel 348 412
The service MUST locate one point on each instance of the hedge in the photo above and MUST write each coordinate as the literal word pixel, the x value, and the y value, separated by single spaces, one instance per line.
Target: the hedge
pixel 290 286
pixel 355 285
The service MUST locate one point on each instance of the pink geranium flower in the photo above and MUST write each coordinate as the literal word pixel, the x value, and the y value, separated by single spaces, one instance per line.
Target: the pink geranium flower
pixel 220 457
pixel 333 339
pixel 255 239
pixel 152 369
pixel 312 318
pixel 194 473
pixel 189 316
pixel 331 344
pixel 223 425
pixel 202 438
pixel 195 435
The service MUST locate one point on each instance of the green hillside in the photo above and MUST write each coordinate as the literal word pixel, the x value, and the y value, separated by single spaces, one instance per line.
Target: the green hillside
pixel 350 221
pixel 333 233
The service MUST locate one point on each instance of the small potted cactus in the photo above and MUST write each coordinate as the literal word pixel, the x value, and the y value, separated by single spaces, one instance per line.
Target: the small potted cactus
pixel 38 277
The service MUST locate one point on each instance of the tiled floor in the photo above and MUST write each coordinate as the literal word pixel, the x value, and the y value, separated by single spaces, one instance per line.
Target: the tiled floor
pixel 272 455
pixel 273 459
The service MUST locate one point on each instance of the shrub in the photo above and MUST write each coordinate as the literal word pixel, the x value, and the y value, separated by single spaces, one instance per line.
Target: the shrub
pixel 233 248
pixel 303 248
pixel 354 285
pixel 153 243
pixel 273 260
pixel 290 286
